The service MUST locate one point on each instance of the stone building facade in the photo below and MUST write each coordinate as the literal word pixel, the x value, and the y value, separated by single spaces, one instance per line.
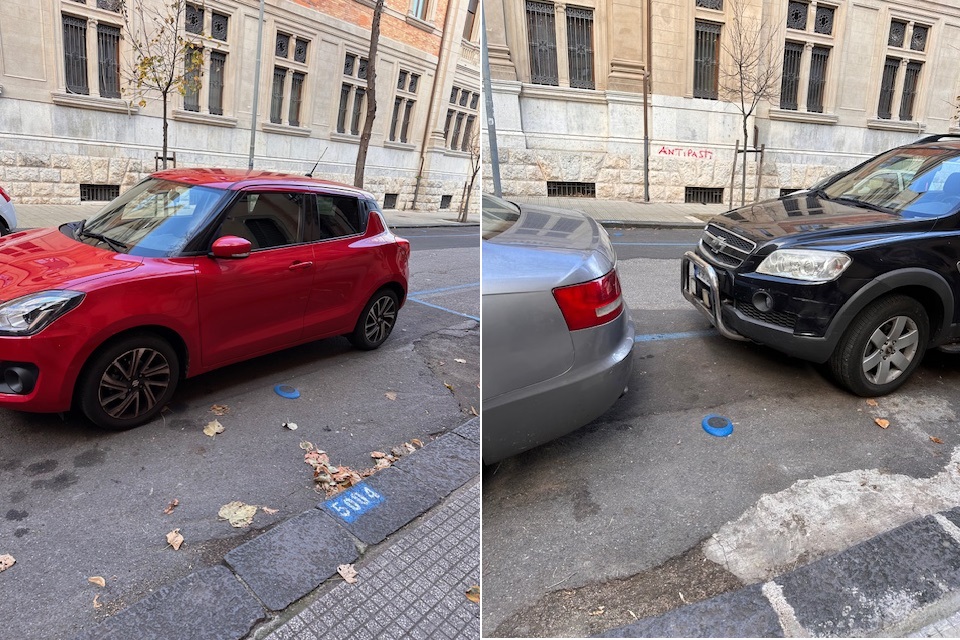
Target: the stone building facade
pixel 70 129
pixel 852 78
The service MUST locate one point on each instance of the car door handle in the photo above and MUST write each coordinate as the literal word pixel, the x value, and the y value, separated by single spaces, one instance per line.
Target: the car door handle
pixel 299 265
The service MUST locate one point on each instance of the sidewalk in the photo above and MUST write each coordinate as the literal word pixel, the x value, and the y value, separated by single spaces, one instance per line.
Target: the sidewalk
pixel 627 213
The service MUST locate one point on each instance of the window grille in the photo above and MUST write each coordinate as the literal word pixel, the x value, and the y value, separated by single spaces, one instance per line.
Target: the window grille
pixel 557 189
pixel 283 45
pixel 467 131
pixel 445 201
pixel 218 60
pixel 818 78
pixel 414 82
pixel 99 192
pixel 580 47
pixel 345 92
pixel 300 51
pixel 710 4
pixel 108 48
pixel 276 95
pixel 193 19
pixel 362 69
pixel 454 95
pixel 790 82
pixel 918 42
pixel 75 54
pixel 542 38
pixel 402 81
pixel 357 110
pixel 219 24
pixel 464 96
pixel 897 32
pixel 457 126
pixel 474 100
pixel 191 84
pixel 824 21
pixel 395 119
pixel 886 88
pixel 390 200
pixel 407 111
pixel 706 53
pixel 296 98
pixel 471 19
pixel 348 63
pixel 703 195
pixel 910 79
pixel 797 15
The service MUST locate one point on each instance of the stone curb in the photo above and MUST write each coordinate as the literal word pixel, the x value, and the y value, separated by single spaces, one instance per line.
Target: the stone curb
pixel 284 564
pixel 889 585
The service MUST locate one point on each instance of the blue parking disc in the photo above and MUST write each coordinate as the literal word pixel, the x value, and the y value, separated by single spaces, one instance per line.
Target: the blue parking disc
pixel 286 391
pixel 717 425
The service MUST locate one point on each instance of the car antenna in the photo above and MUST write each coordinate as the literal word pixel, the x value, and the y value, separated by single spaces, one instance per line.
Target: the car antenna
pixel 310 173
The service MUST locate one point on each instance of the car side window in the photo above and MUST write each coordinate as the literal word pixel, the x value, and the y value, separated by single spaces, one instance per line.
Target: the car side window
pixel 338 216
pixel 267 220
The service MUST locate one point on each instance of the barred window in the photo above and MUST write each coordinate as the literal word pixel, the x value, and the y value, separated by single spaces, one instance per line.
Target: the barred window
pixel 296 98
pixel 218 61
pixel 710 4
pixel 403 103
pixel 276 94
pixel 542 38
pixel 193 19
pixel 108 49
pixel 890 68
pixel 580 47
pixel 805 59
pixel 902 68
pixel 352 94
pixel 99 73
pixel 289 85
pixel 797 15
pixel 219 24
pixel 191 84
pixel 461 119
pixel 818 78
pixel 706 58
pixel 75 54
pixel 910 79
pixel 790 78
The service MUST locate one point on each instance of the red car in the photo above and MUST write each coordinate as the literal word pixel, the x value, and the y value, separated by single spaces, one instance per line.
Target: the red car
pixel 185 272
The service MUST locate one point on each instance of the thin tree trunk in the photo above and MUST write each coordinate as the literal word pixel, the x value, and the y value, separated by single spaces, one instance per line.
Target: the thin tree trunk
pixel 164 131
pixel 743 182
pixel 466 206
pixel 371 97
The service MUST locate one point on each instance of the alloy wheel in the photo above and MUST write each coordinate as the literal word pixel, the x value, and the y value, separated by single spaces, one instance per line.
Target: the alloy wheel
pixel 131 385
pixel 380 320
pixel 890 350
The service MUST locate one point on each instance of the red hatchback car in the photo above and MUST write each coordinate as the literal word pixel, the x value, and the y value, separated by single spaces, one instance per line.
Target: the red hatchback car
pixel 185 272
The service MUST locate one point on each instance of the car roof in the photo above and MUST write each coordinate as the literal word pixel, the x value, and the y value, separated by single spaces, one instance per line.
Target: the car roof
pixel 237 179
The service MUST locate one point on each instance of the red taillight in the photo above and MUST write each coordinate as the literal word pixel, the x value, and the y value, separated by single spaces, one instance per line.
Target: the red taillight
pixel 3 194
pixel 590 304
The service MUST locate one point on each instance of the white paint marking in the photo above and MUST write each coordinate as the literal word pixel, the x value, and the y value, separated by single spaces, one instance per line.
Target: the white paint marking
pixel 695 219
pixel 785 613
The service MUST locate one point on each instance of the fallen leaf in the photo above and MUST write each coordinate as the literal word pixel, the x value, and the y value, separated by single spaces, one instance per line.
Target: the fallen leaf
pixel 883 423
pixel 220 409
pixel 391 395
pixel 97 580
pixel 377 454
pixel 306 446
pixel 6 561
pixel 473 594
pixel 599 611
pixel 348 573
pixel 174 539
pixel 872 402
pixel 417 442
pixel 170 507
pixel 269 511
pixel 473 411
pixel 448 385
pixel 460 360
pixel 237 513
pixel 213 428
pixel 290 425
pixel 96 601
pixel 936 440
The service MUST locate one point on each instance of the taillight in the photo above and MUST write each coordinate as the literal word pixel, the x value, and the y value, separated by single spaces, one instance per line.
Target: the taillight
pixel 3 194
pixel 592 303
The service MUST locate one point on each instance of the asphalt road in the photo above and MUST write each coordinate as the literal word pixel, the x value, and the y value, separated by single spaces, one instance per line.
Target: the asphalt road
pixel 77 502
pixel 605 525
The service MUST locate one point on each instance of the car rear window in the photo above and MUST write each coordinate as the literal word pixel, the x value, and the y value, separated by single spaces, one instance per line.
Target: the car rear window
pixel 498 216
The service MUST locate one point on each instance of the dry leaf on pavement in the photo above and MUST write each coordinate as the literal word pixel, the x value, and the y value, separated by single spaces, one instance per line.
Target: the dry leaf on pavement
pixel 174 539
pixel 599 611
pixel 473 411
pixel 96 601
pixel 391 395
pixel 883 423
pixel 290 425
pixel 377 454
pixel 220 409
pixel 6 561
pixel 473 593
pixel 348 573
pixel 237 513
pixel 936 440
pixel 213 428
pixel 97 580
pixel 460 360
pixel 448 385
pixel 872 402
pixel 269 511
pixel 170 507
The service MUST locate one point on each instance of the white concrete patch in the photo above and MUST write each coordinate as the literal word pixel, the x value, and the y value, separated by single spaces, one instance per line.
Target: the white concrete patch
pixel 922 415
pixel 820 516
pixel 785 613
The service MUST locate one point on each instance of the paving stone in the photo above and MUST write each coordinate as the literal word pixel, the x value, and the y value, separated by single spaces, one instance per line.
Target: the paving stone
pixel 876 583
pixel 401 499
pixel 469 430
pixel 738 614
pixel 445 464
pixel 206 605
pixel 293 558
pixel 953 515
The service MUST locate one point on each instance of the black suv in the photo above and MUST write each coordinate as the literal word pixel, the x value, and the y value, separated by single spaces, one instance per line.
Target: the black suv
pixel 861 273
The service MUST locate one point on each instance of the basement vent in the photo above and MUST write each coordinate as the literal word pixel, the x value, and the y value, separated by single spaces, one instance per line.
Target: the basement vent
pixel 703 195
pixel 99 192
pixel 445 201
pixel 571 189
pixel 390 200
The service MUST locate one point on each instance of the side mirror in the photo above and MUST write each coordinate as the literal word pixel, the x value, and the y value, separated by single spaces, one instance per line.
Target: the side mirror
pixel 230 247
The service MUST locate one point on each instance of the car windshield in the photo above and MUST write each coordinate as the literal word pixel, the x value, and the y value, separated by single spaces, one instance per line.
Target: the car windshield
pixel 154 218
pixel 498 216
pixel 920 182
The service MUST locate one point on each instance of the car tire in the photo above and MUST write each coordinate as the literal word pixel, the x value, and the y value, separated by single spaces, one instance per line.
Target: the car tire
pixel 376 321
pixel 882 346
pixel 129 381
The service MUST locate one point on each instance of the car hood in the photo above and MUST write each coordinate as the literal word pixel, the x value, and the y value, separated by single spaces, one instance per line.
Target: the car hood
pixel 44 259
pixel 546 248
pixel 807 216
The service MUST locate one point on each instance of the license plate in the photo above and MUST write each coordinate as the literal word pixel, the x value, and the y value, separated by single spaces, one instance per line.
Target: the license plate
pixel 698 284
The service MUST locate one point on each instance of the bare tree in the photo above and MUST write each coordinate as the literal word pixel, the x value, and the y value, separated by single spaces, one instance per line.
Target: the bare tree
pixel 371 96
pixel 163 60
pixel 753 74
pixel 474 170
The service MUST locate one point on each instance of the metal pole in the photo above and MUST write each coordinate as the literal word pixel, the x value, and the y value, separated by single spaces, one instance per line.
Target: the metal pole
pixel 488 107
pixel 256 90
pixel 647 90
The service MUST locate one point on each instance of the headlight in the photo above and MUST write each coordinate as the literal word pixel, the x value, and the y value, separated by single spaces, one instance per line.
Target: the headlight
pixel 805 264
pixel 33 313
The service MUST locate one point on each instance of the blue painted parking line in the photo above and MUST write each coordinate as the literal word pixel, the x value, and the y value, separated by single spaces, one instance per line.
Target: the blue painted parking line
pixel 354 502
pixel 654 337
pixel 655 244
pixel 430 292
pixel 436 306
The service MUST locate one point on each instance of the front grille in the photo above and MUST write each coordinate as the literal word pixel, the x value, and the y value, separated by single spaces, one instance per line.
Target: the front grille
pixel 725 247
pixel 778 318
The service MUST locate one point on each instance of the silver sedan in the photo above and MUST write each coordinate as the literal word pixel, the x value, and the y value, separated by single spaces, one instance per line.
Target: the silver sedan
pixel 557 336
